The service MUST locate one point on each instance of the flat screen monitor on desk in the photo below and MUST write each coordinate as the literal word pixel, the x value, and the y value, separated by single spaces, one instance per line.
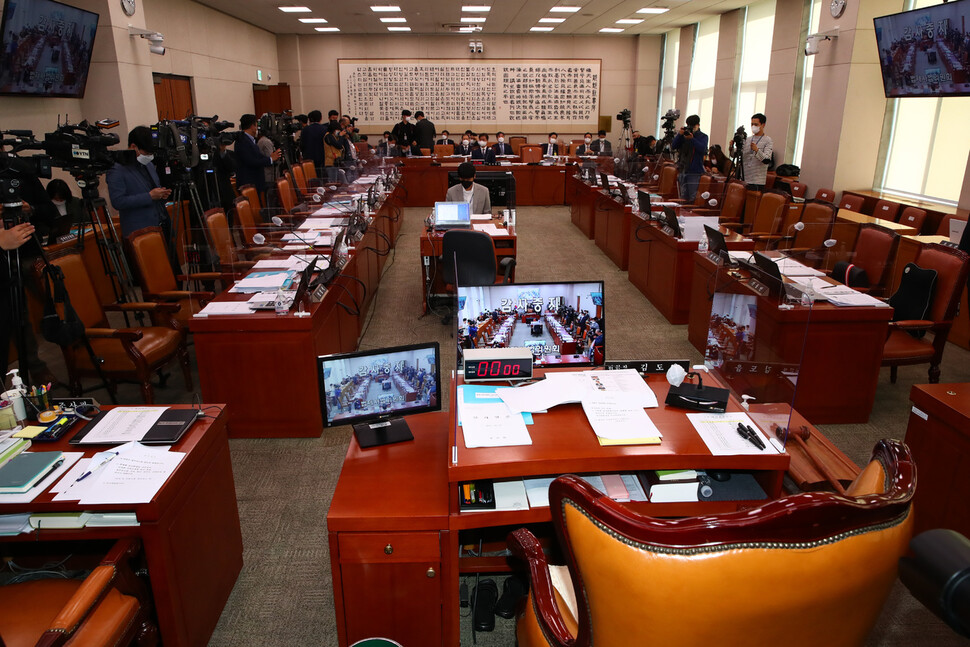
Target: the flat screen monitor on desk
pixel 643 202
pixel 335 262
pixel 671 222
pixel 503 314
pixel 452 215
pixel 372 390
pixel 717 244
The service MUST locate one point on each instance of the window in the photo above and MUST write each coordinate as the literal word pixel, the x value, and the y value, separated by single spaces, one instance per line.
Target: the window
pixel 926 153
pixel 668 82
pixel 759 22
pixel 806 93
pixel 700 93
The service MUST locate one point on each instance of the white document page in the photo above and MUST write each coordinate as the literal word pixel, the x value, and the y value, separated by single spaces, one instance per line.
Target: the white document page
pixel 538 491
pixel 791 267
pixel 510 495
pixel 124 424
pixel 133 477
pixel 624 381
pixel 719 431
pixel 487 217
pixel 617 416
pixel 850 297
pixel 274 264
pixel 542 395
pixel 224 308
pixel 266 282
pixel 492 425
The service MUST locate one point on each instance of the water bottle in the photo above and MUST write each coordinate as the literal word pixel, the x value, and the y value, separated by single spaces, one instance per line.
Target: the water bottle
pixel 702 244
pixel 281 304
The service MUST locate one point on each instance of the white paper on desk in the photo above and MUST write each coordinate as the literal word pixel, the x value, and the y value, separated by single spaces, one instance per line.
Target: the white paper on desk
pixel 224 308
pixel 740 254
pixel 627 381
pixel 264 282
pixel 317 223
pixel 719 431
pixel 852 297
pixel 481 216
pixel 295 247
pixel 71 477
pixel 133 477
pixel 124 424
pixel 26 497
pixel 492 425
pixel 617 416
pixel 510 495
pixel 70 488
pixel 791 267
pixel 273 264
pixel 813 282
pixel 542 395
pixel 538 491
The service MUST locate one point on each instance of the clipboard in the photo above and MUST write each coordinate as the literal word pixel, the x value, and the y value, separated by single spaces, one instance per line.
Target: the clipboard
pixel 168 430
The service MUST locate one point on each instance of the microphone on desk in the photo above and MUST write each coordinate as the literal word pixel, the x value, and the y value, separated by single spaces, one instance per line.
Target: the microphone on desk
pixel 827 244
pixel 276 220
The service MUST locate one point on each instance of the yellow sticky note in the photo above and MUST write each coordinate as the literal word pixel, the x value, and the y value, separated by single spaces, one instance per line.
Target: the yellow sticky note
pixel 29 432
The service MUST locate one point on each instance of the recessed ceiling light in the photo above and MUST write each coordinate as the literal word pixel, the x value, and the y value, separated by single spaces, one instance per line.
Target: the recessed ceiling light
pixel 542 29
pixel 326 29
pixel 295 9
pixel 564 9
pixel 395 19
pixel 313 20
pixel 398 29
pixel 472 19
pixel 552 20
pixel 629 21
pixel 653 10
pixel 610 30
pixel 476 7
pixel 470 29
pixel 387 7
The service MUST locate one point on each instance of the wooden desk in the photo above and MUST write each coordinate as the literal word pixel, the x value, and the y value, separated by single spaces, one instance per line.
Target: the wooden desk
pixel 938 437
pixel 846 230
pixel 534 184
pixel 581 207
pixel 840 352
pixel 661 266
pixel 264 365
pixel 432 279
pixel 189 532
pixel 611 226
pixel 395 529
pixel 934 211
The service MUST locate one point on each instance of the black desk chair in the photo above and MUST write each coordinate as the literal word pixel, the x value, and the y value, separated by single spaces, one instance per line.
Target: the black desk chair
pixel 475 255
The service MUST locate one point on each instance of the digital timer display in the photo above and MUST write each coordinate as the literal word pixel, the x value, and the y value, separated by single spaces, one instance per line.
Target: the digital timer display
pixel 498 369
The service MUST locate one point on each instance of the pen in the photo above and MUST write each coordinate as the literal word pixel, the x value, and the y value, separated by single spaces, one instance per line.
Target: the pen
pixel 743 432
pixel 754 436
pixel 53 468
pixel 95 469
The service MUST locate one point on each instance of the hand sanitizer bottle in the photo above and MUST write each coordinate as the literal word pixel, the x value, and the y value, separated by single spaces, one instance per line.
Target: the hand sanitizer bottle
pixel 282 307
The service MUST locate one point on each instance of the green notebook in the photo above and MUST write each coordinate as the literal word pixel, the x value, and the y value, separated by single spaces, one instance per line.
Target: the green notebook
pixel 24 470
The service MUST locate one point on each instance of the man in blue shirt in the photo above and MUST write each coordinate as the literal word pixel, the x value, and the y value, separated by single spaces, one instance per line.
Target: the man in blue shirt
pixel 135 189
pixel 690 144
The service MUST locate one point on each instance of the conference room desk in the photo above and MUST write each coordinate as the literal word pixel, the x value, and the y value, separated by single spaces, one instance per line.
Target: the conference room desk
pixel 846 231
pixel 396 531
pixel 583 205
pixel 611 229
pixel 535 184
pixel 263 365
pixel 434 282
pixel 839 349
pixel 906 253
pixel 662 266
pixel 934 211
pixel 189 531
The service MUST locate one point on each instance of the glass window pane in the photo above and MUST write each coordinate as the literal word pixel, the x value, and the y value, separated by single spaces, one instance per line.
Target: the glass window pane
pixel 948 156
pixel 911 140
pixel 806 86
pixel 700 96
pixel 669 90
pixel 755 58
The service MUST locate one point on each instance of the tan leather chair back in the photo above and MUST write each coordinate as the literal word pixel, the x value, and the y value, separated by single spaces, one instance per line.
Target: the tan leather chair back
pixel 770 178
pixel 287 199
pixel 874 250
pixel 826 195
pixel 732 204
pixel 516 142
pixel 798 189
pixel 249 192
pixel 668 182
pixel 219 235
pixel 944 227
pixel 247 220
pixel 913 217
pixel 299 179
pixel 886 210
pixel 852 202
pixel 84 298
pixel 444 150
pixel 770 213
pixel 703 185
pixel 148 250
pixel 751 202
pixel 309 171
pixel 818 218
pixel 530 153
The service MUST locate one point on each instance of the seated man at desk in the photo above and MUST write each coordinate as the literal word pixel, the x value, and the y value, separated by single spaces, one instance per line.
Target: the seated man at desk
pixel 584 149
pixel 551 148
pixel 465 147
pixel 601 146
pixel 483 152
pixel 501 148
pixel 467 190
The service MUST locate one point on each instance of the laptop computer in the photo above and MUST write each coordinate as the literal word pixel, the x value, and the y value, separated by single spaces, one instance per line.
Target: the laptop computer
pixel 167 430
pixel 452 215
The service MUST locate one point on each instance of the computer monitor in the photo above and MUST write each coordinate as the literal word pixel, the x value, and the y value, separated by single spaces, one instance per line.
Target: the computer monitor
pixel 451 215
pixel 334 261
pixel 305 275
pixel 716 243
pixel 643 200
pixel 605 180
pixel 506 314
pixel 670 220
pixel 373 389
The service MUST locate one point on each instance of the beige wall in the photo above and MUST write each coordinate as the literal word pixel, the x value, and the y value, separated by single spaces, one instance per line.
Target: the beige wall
pixel 725 78
pixel 786 55
pixel 630 66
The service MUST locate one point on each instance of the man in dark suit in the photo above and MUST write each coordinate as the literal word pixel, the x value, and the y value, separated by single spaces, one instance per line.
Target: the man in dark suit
pixel 249 161
pixel 424 131
pixel 551 147
pixel 466 147
pixel 135 190
pixel 483 152
pixel 311 140
pixel 501 148
pixel 445 139
pixel 403 130
pixel 583 149
pixel 333 121
pixel 602 146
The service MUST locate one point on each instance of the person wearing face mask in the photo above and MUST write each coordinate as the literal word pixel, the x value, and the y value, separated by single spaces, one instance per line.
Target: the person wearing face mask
pixel 756 155
pixel 465 147
pixel 424 131
pixel 65 211
pixel 551 147
pixel 403 130
pixel 583 149
pixel 135 190
pixel 445 139
pixel 501 148
pixel 483 152
pixel 691 145
pixel 467 190
pixel 602 146
pixel 250 162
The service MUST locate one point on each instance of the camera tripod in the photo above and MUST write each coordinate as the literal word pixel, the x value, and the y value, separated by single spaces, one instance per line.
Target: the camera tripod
pixel 185 190
pixel 737 161
pixel 623 153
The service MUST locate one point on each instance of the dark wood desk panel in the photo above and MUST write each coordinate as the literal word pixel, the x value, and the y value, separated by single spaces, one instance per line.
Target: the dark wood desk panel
pixel 190 532
pixel 639 254
pixel 534 185
pixel 539 185
pixel 425 185
pixel 840 354
pixel 618 235
pixel 581 211
pixel 937 435
pixel 934 211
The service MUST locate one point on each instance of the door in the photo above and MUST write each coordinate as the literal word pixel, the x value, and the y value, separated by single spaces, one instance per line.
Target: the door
pixel 173 96
pixel 271 98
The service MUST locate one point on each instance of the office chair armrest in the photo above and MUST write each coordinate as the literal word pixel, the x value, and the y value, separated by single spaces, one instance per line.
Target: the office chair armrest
pixel 255 250
pixel 506 264
pixel 124 334
pixel 732 224
pixel 205 276
pixel 527 548
pixel 147 306
pixel 914 324
pixel 706 211
pixel 173 295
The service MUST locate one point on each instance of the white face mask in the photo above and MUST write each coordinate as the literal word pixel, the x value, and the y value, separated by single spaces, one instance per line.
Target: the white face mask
pixel 588 140
pixel 755 130
pixel 145 159
pixel 482 142
pixel 501 140
pixel 552 140
pixel 464 142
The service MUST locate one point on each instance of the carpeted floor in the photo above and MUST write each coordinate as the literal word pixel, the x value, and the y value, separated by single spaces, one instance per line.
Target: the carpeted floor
pixel 284 597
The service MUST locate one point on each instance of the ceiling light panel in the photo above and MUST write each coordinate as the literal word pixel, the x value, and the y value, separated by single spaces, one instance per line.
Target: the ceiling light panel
pixel 629 21
pixel 311 21
pixel 386 8
pixel 472 19
pixel 398 29
pixel 292 9
pixel 476 8
pixel 395 19
pixel 552 20
pixel 542 29
pixel 564 9
pixel 653 10
pixel 326 29
pixel 610 30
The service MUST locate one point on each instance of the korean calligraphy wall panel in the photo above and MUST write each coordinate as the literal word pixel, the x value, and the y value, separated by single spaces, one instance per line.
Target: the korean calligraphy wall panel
pixel 513 94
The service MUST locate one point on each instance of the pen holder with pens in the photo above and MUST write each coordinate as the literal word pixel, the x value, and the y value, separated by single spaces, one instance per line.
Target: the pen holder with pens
pixel 37 403
pixel 476 495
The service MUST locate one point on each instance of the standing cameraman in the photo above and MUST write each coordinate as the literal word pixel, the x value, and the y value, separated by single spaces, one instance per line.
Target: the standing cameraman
pixel 135 190
pixel 756 154
pixel 10 239
pixel 691 144
pixel 250 162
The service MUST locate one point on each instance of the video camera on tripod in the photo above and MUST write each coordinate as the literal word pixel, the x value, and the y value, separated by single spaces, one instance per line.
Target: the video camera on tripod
pixel 281 128
pixel 185 144
pixel 14 170
pixel 670 131
pixel 625 116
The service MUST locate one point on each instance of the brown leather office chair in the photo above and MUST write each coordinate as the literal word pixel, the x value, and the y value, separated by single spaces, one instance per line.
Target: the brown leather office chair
pixel 770 178
pixel 300 181
pixel 886 210
pixel 703 186
pixel 530 153
pixel 309 170
pixel 231 260
pixel 730 207
pixel 875 250
pixel 158 283
pixel 902 348
pixel 818 218
pixel 798 189
pixel 913 217
pixel 668 187
pixel 806 570
pixel 475 254
pixel 852 202
pixel 825 195
pixel 766 226
pixel 516 142
pixel 110 607
pixel 249 192
pixel 425 152
pixel 944 228
pixel 125 353
pixel 444 150
pixel 248 227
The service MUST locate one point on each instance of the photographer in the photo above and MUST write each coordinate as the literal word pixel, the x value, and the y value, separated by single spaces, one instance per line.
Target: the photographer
pixel 135 190
pixel 250 162
pixel 643 146
pixel 756 154
pixel 691 144
pixel 311 140
pixel 10 239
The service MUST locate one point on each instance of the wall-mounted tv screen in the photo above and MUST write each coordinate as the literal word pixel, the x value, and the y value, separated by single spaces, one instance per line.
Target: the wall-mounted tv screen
pixel 925 52
pixel 45 48
pixel 562 324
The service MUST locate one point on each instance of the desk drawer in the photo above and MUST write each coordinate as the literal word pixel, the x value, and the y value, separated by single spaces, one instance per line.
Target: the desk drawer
pixel 377 547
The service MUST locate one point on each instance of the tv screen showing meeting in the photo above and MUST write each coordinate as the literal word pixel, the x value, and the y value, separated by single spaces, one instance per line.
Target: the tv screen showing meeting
pixel 562 324
pixel 922 52
pixel 45 49
pixel 368 388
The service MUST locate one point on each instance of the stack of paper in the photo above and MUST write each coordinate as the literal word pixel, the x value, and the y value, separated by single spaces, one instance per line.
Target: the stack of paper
pixel 791 267
pixel 487 422
pixel 719 431
pixel 846 296
pixel 14 524
pixel 261 281
pixel 131 473
pixel 224 308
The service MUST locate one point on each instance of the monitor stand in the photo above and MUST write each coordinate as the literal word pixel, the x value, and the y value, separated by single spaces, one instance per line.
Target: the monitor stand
pixel 382 432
